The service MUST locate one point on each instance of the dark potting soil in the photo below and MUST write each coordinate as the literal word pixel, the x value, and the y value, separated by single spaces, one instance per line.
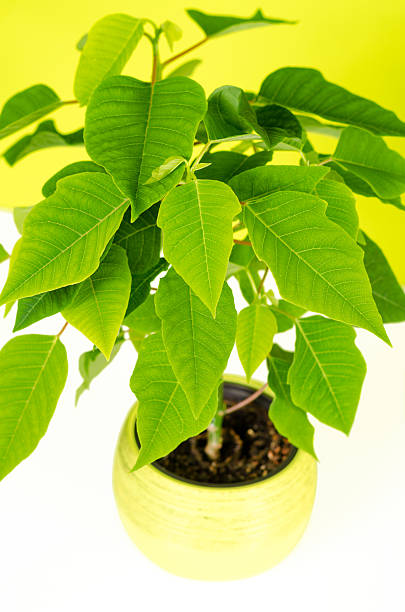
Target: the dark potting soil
pixel 252 449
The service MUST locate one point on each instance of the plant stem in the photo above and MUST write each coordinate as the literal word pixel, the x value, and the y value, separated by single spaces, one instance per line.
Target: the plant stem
pixel 214 429
pixel 248 400
pixel 260 287
pixel 174 57
pixel 58 335
pixel 325 161
pixel 247 242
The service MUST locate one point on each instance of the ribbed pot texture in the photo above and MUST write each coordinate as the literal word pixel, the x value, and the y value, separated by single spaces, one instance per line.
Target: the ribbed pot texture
pixel 212 532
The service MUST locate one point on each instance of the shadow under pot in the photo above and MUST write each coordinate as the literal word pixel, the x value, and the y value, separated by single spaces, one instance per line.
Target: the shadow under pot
pixel 219 531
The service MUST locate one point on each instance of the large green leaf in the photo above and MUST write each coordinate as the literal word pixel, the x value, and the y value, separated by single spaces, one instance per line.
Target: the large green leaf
pixel 108 47
pixel 140 239
pixel 217 25
pixel 141 281
pixel 132 127
pixel 327 372
pixel 305 89
pixel 99 306
pixel 368 157
pixel 196 219
pixel 341 205
pixel 76 168
pixel 26 107
pixel 37 307
pixel 254 336
pixel 46 135
pixel 315 263
pixel 164 418
pixel 290 421
pixel 92 363
pixel 229 113
pixel 198 346
pixel 226 164
pixel 33 371
pixel 259 182
pixel 80 219
pixel 387 292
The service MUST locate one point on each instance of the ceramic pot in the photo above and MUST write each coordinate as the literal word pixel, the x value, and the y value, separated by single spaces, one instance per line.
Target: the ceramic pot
pixel 213 532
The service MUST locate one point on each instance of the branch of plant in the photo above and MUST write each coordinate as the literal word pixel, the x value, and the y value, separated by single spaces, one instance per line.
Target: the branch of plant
pixel 248 400
pixel 247 242
pixel 58 335
pixel 260 287
pixel 184 52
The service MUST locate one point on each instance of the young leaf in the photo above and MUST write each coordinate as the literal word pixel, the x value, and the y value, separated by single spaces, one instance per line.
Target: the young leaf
pixel 229 113
pixel 218 25
pixel 92 363
pixel 108 47
pixel 76 168
pixel 130 132
pixel 223 165
pixel 140 239
pixel 172 32
pixel 46 135
pixel 141 281
pixel 285 313
pixel 33 309
pixel 80 217
pixel 305 89
pixel 315 263
pixel 26 107
pixel 341 205
pixel 368 157
pixel 278 125
pixel 205 343
pixel 3 254
pixel 164 415
pixel 144 320
pixel 290 421
pixel 327 372
pixel 259 182
pixel 196 219
pixel 186 69
pixel 33 371
pixel 99 306
pixel 387 292
pixel 80 44
pixel 254 336
pixel 170 164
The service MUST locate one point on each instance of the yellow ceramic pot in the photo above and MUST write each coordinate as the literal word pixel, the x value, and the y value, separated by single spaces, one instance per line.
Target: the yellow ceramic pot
pixel 212 532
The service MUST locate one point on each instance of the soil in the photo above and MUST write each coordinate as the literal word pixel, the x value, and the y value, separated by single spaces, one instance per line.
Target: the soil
pixel 252 448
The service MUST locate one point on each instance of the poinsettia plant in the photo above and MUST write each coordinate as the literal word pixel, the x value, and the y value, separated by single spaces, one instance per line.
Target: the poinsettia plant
pixel 184 191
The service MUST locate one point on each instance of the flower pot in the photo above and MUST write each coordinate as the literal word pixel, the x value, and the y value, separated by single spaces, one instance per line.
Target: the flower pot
pixel 212 532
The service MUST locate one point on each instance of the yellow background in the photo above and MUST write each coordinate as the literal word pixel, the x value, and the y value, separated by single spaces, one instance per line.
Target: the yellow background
pixel 356 43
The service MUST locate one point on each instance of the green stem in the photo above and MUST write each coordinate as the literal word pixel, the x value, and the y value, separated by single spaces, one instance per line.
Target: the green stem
pixel 214 429
pixel 195 46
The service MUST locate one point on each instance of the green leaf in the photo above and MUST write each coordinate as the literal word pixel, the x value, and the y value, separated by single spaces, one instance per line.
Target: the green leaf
pixel 3 254
pixel 130 132
pixel 283 313
pixel 144 320
pixel 310 124
pixel 170 164
pixel 141 281
pixel 244 265
pixel 259 182
pixel 140 239
pixel 368 157
pixel 278 125
pixel 315 263
pixel 108 47
pixel 196 219
pixel 99 306
pixel 70 250
pixel 164 415
pixel 76 168
pixel 92 363
pixel 229 113
pixel 254 336
pixel 290 421
pixel 327 372
pixel 172 32
pixel 341 205
pixel 19 215
pixel 218 25
pixel 387 292
pixel 186 69
pixel 80 44
pixel 33 371
pixel 305 89
pixel 46 135
pixel 26 107
pixel 38 307
pixel 198 346
pixel 226 164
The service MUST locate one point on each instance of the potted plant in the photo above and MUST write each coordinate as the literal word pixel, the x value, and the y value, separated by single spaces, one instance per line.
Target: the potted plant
pixel 214 475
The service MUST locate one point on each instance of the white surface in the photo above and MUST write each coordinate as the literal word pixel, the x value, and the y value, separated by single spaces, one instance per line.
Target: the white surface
pixel 62 547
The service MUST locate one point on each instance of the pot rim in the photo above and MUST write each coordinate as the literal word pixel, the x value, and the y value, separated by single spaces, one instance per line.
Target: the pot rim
pixel 238 381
